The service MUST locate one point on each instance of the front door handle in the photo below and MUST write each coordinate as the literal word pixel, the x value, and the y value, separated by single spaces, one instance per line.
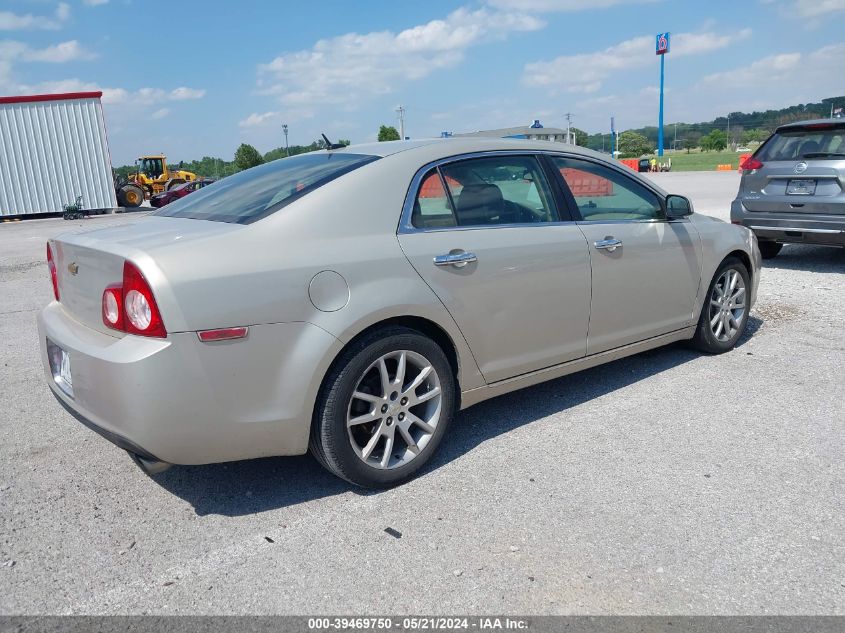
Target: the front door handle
pixel 458 260
pixel 609 244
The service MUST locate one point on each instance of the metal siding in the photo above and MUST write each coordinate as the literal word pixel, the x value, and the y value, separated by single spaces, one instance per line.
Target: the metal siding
pixel 51 152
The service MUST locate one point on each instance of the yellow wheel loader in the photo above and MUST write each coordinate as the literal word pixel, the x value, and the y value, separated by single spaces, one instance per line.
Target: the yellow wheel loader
pixel 154 176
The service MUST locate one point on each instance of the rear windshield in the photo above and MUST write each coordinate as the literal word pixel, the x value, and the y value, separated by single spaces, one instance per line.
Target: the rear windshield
pixel 828 143
pixel 256 193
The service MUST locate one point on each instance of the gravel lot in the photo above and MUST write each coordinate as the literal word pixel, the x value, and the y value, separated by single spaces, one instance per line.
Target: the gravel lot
pixel 666 483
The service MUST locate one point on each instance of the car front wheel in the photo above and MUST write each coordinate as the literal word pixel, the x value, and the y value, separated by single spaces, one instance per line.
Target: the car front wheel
pixel 725 311
pixel 384 408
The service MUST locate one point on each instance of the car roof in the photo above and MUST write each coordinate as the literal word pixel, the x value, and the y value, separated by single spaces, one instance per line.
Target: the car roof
pixel 813 122
pixel 443 147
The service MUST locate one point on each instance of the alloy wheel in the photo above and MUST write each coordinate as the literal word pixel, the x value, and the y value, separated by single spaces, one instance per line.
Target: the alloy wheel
pixel 727 305
pixel 394 409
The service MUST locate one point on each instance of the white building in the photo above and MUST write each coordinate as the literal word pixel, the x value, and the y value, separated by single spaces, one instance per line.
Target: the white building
pixel 53 148
pixel 535 132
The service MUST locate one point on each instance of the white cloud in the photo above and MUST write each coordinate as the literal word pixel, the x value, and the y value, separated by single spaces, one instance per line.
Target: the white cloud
pixel 59 53
pixel 806 8
pixel 772 82
pixel 586 72
pixel 145 97
pixel 548 6
pixel 184 94
pixel 161 113
pixel 11 50
pixel 260 120
pixel 782 74
pixel 353 67
pixel 94 3
pixel 13 21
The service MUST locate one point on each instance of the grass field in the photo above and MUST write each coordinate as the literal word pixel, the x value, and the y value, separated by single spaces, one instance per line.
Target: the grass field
pixel 701 161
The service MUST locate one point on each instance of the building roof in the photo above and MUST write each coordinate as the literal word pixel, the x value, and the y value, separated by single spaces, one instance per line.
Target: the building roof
pixel 63 96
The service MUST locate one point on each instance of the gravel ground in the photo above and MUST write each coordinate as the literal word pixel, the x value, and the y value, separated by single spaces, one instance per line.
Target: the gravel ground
pixel 666 483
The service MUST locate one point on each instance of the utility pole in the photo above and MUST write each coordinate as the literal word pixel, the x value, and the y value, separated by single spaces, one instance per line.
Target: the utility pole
pixel 675 142
pixel 568 116
pixel 401 110
pixel 729 129
pixel 285 130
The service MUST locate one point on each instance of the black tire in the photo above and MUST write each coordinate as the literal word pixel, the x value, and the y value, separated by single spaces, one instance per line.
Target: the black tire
pixel 705 339
pixel 769 249
pixel 330 441
pixel 130 196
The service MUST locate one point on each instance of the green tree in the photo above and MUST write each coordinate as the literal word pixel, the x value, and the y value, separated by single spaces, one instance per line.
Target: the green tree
pixel 715 141
pixel 581 137
pixel 247 156
pixel 633 144
pixel 388 133
pixel 754 136
pixel 691 140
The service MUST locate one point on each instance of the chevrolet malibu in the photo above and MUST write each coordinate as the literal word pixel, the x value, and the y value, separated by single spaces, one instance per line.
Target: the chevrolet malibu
pixel 351 301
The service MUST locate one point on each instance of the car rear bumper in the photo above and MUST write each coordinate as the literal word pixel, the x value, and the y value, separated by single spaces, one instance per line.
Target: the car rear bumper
pixel 791 228
pixel 182 401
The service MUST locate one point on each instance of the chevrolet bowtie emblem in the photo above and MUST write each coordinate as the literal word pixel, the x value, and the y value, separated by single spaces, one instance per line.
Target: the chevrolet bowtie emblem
pixel 73 268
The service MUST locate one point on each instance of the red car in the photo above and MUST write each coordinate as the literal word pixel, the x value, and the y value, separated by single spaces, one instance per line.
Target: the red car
pixel 179 191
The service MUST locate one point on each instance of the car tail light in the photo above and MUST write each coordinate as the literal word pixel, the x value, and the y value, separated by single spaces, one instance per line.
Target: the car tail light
pixel 113 307
pixel 131 307
pixel 51 264
pixel 750 164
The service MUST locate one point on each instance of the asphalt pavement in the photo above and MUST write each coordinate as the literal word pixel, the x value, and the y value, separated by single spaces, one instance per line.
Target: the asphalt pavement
pixel 666 483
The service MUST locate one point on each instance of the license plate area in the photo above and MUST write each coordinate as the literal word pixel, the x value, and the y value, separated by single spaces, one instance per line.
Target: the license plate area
pixel 801 187
pixel 60 368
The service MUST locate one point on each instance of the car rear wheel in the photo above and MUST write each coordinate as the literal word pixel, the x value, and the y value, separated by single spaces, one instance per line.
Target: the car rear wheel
pixel 384 408
pixel 769 249
pixel 725 311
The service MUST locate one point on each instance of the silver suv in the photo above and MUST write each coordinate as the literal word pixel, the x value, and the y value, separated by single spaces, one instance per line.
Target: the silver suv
pixel 793 188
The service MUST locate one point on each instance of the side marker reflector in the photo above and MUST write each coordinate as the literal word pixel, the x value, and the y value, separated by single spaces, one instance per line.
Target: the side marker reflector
pixel 226 334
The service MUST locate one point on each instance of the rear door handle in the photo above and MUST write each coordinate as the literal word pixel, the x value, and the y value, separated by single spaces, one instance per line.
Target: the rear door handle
pixel 458 260
pixel 608 244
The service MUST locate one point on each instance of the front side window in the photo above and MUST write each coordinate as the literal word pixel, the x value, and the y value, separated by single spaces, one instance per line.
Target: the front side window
pixel 255 193
pixel 603 194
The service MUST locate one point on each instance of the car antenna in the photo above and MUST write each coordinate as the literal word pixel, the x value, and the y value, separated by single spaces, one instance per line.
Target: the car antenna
pixel 329 144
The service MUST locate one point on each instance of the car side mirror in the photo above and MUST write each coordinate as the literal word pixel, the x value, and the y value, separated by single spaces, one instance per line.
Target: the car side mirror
pixel 678 207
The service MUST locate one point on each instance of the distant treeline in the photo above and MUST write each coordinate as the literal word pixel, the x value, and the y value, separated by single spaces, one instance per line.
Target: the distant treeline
pixel 742 127
pixel 212 167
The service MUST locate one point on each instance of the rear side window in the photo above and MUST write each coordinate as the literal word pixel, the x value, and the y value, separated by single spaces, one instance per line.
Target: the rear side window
pixel 256 193
pixel 485 191
pixel 790 145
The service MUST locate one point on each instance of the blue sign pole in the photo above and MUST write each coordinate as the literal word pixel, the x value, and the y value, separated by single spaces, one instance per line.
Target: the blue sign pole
pixel 661 48
pixel 660 116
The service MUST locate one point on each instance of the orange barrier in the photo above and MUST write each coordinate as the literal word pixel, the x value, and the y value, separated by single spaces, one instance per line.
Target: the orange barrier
pixel 727 167
pixel 583 183
pixel 633 163
pixel 742 159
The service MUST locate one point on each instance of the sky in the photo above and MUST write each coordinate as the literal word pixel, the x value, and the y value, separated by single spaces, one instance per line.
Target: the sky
pixel 194 79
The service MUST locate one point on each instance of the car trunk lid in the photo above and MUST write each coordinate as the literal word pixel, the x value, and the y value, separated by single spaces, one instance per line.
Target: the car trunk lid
pixel 88 262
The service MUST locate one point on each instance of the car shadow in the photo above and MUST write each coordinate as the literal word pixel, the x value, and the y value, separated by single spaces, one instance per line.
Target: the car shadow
pixel 259 485
pixel 817 259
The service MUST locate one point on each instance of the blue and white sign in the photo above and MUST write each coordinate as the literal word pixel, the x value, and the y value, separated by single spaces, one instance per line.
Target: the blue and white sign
pixel 662 46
